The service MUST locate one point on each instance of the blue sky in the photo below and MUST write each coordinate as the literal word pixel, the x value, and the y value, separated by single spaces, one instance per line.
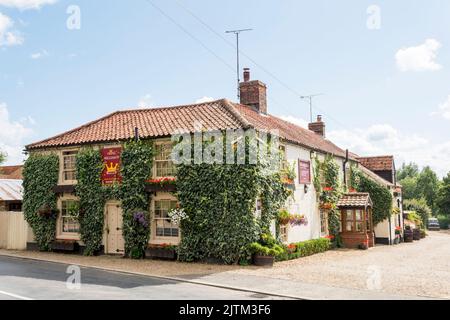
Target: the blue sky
pixel 386 89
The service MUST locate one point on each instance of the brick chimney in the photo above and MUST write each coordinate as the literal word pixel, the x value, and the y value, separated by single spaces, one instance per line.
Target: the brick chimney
pixel 253 93
pixel 318 126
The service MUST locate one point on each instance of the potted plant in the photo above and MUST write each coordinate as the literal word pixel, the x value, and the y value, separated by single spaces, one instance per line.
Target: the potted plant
pixel 416 234
pixel 408 234
pixel 288 176
pixel 398 231
pixel 265 251
pixel 283 217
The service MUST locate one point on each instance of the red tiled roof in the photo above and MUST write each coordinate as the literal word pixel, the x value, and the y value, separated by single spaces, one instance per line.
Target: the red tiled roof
pixel 381 163
pixel 355 200
pixel 11 172
pixel 162 122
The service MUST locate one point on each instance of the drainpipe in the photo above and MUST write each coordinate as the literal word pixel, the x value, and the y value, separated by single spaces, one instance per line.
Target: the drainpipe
pixel 136 134
pixel 345 167
pixel 390 230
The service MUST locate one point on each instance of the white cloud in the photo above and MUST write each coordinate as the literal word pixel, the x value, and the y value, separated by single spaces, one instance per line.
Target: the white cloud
pixel 8 35
pixel 204 99
pixel 26 4
pixel 297 121
pixel 39 54
pixel 145 102
pixel 383 139
pixel 12 135
pixel 419 58
pixel 444 109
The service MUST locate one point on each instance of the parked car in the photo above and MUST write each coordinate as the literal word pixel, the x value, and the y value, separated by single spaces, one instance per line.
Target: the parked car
pixel 433 224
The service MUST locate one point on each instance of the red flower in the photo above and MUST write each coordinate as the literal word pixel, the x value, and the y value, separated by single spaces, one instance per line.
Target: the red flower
pixel 330 237
pixel 328 189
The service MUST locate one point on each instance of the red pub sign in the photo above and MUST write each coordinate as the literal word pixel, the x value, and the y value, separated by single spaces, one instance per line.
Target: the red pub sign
pixel 111 165
pixel 304 168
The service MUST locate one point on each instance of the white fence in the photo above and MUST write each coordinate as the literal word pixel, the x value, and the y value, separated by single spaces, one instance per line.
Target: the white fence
pixel 14 231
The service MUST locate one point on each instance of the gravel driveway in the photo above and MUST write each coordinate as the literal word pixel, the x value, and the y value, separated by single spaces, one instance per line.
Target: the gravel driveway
pixel 421 268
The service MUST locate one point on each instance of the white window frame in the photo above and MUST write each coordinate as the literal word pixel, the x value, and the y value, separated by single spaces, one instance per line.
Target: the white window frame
pixel 155 239
pixel 323 217
pixel 284 233
pixel 169 160
pixel 62 170
pixel 60 235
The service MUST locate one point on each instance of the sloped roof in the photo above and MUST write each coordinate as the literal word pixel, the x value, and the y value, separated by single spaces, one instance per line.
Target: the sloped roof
pixel 376 177
pixel 379 163
pixel 355 200
pixel 11 190
pixel 11 172
pixel 162 122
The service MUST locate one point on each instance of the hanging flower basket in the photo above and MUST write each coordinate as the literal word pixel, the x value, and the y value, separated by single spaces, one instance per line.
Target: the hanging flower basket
pixel 326 206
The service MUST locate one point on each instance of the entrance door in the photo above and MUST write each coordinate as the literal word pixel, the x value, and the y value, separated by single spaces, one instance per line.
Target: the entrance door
pixel 115 241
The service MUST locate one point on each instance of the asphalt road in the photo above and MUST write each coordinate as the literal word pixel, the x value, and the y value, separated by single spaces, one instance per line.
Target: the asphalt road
pixel 22 279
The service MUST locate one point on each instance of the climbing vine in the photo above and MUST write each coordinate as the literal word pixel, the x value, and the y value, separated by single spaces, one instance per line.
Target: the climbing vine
pixel 137 159
pixel 329 190
pixel 89 167
pixel 40 175
pixel 380 195
pixel 220 202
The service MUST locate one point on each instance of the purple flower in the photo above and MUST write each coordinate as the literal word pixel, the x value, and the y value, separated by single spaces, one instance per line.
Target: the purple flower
pixel 140 218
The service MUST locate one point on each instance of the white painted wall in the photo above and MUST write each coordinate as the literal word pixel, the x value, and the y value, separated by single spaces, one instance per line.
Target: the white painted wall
pixel 305 203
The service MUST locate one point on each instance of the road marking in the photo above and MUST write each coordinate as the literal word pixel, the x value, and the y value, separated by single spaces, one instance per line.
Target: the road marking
pixel 14 295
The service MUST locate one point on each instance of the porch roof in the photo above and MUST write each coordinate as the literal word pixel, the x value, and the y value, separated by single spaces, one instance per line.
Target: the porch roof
pixel 355 200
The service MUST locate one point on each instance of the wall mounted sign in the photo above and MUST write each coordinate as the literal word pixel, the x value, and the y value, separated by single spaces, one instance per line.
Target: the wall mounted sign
pixel 111 165
pixel 304 170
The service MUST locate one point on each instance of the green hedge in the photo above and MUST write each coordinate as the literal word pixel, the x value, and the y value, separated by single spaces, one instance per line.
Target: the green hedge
pixel 305 249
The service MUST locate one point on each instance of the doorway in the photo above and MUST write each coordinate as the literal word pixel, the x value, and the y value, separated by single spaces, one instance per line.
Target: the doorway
pixel 115 243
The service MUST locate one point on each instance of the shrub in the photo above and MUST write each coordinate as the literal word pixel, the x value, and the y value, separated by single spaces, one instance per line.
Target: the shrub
pixel 305 249
pixel 420 207
pixel 444 221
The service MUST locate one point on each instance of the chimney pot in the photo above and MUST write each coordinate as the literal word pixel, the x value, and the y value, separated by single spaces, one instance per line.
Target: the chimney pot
pixel 319 118
pixel 246 74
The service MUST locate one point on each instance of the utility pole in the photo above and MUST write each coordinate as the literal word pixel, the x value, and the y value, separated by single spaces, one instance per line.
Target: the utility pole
pixel 238 71
pixel 310 98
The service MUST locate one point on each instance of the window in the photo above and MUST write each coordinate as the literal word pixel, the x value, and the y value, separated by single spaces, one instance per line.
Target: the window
pixel 258 211
pixel 284 230
pixel 15 207
pixel 323 222
pixel 163 225
pixel 69 219
pixel 355 220
pixel 69 166
pixel 164 166
pixel 283 158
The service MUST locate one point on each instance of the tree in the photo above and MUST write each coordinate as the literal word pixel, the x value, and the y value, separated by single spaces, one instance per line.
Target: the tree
pixel 428 186
pixel 410 170
pixel 409 188
pixel 2 157
pixel 443 202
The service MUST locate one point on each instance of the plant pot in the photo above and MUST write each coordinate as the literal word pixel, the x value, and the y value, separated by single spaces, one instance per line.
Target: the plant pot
pixel 409 236
pixel 416 234
pixel 263 261
pixel 161 253
pixel 397 240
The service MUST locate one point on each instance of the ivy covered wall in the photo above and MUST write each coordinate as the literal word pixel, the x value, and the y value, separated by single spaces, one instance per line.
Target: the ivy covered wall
pixel 381 196
pixel 89 167
pixel 40 175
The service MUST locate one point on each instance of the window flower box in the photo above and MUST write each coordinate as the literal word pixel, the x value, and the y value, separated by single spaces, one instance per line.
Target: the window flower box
pixel 326 206
pixel 66 246
pixel 163 252
pixel 166 184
